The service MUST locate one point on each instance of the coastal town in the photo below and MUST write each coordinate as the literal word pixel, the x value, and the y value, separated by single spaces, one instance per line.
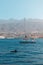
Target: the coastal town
pixel 20 35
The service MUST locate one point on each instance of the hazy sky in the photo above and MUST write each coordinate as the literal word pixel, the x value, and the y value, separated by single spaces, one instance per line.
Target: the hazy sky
pixel 18 9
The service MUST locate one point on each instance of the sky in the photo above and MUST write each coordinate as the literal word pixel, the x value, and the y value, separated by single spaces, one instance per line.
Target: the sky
pixel 19 9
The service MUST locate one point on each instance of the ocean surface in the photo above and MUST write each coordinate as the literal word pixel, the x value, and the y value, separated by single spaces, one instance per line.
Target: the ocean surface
pixel 27 53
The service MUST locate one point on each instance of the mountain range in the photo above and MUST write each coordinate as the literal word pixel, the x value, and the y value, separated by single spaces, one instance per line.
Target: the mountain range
pixel 23 25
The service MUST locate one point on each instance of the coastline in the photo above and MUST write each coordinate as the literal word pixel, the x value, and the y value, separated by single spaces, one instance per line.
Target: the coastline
pixel 13 36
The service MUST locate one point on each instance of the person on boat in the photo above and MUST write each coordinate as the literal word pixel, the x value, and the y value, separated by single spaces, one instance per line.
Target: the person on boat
pixel 25 38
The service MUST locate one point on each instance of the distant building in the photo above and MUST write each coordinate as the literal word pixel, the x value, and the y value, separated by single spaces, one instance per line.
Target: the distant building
pixel 2 37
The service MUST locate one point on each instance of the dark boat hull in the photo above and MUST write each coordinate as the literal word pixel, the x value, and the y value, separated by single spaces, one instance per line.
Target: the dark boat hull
pixel 27 42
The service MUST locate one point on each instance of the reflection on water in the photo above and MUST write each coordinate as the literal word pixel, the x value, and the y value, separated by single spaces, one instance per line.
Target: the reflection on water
pixel 28 54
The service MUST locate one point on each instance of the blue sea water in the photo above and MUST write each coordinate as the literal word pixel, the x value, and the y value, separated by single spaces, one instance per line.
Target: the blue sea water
pixel 28 54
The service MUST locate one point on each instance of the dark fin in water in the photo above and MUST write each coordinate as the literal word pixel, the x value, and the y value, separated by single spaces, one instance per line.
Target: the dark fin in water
pixel 14 51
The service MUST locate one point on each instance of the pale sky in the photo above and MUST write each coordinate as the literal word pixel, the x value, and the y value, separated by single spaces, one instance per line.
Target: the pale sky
pixel 19 9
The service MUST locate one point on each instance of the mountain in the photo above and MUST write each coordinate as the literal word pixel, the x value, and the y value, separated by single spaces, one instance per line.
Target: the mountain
pixel 11 25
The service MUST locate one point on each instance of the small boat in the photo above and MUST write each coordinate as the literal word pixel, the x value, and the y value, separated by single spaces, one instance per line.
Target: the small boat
pixel 25 39
pixel 27 42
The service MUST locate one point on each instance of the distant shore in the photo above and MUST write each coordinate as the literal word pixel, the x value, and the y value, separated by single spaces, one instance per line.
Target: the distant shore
pixel 12 35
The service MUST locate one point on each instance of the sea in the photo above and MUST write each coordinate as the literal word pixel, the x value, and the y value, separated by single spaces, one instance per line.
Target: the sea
pixel 27 53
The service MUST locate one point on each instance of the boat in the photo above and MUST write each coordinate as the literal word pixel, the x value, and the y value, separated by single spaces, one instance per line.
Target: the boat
pixel 26 40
